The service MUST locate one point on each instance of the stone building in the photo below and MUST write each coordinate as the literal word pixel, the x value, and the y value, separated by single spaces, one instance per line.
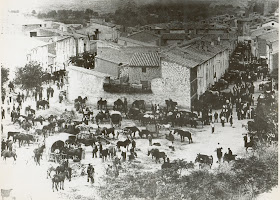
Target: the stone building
pixel 143 68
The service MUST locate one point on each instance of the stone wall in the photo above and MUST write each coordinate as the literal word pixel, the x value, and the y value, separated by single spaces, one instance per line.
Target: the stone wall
pixel 84 82
pixel 136 75
pixel 105 66
pixel 174 84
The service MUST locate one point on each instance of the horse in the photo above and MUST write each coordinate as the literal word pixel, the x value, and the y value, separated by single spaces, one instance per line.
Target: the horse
pixel 116 119
pixel 123 143
pixel 106 131
pixel 229 158
pixel 170 104
pixel 45 104
pixel 119 105
pixel 133 129
pixel 38 154
pixel 12 134
pixel 157 154
pixel 184 134
pixel 144 132
pixel 204 159
pixel 24 137
pixel 9 154
pixel 104 153
pixel 58 180
pixel 140 104
pixel 100 117
pixel 101 104
pixel 248 144
pixel 38 119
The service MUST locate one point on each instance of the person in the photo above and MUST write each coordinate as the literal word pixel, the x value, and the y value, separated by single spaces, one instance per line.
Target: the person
pixel 213 127
pixel 223 120
pixel 219 152
pixel 3 113
pixel 94 151
pixel 245 140
pixel 229 152
pixel 231 120
pixel 133 143
pixel 100 149
pixel 3 145
pixel 150 138
pixel 90 171
pixel 3 98
pixel 216 117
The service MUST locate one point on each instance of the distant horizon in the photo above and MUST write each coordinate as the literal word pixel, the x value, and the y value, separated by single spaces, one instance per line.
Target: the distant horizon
pixel 97 5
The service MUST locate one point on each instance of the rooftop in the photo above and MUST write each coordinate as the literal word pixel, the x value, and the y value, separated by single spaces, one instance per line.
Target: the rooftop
pixel 149 59
pixel 192 53
pixel 270 37
pixel 136 41
pixel 143 36
pixel 124 54
pixel 174 36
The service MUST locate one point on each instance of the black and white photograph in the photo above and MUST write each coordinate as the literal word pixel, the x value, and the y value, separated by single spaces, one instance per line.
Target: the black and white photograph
pixel 139 99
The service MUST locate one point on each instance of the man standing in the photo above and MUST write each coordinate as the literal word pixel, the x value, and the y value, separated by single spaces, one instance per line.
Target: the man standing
pixel 213 127
pixel 3 113
pixel 150 138
pixel 216 116
pixel 231 120
pixel 219 152
pixel 90 171
pixel 3 145
pixel 223 121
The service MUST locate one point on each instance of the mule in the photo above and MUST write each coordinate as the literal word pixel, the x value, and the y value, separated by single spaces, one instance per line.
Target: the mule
pixel 144 132
pixel 101 104
pixel 58 180
pixel 184 134
pixel 107 131
pixel 204 159
pixel 157 154
pixel 8 154
pixel 104 153
pixel 123 143
pixel 119 105
pixel 133 130
pixel 228 157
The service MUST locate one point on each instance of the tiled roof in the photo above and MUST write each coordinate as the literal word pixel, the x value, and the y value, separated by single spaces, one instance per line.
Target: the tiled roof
pixel 262 30
pixel 122 54
pixel 173 36
pixel 192 54
pixel 136 42
pixel 144 36
pixel 270 37
pixel 113 55
pixel 146 59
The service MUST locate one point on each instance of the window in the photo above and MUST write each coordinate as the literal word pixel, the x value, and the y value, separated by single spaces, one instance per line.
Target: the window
pixel 144 69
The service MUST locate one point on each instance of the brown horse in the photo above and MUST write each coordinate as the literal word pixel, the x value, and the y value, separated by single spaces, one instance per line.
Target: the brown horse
pixel 8 154
pixel 58 180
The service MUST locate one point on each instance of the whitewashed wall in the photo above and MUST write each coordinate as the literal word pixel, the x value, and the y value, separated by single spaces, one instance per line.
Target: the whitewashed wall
pixel 84 82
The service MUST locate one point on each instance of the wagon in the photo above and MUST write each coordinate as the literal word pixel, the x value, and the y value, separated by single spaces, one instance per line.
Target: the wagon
pixel 116 118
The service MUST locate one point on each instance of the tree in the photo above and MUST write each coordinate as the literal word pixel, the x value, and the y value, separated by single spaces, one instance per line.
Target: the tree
pixel 4 75
pixel 29 76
